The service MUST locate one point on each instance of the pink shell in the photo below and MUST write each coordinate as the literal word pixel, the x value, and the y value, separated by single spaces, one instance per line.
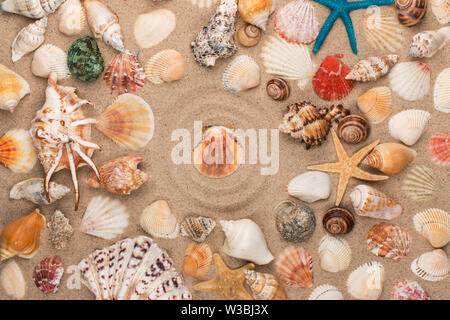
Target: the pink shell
pixel 47 274
pixel 439 148
pixel 408 290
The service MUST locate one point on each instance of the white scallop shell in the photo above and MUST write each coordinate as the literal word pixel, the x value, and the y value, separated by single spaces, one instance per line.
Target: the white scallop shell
pixel 426 43
pixel 165 66
pixel 434 225
pixel 410 80
pixel 12 281
pixel 442 91
pixel 335 253
pixel 366 282
pixel 408 125
pixel 203 3
pixel 441 10
pixel 153 27
pixel 326 292
pixel 241 74
pixel 50 58
pixel 420 184
pixel 71 18
pixel 29 39
pixel 158 220
pixel 310 186
pixel 432 266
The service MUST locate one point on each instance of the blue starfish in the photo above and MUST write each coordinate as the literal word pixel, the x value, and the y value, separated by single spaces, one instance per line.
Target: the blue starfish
pixel 341 9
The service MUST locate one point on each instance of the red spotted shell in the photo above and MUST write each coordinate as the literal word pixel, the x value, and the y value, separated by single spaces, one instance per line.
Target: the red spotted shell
pixel 439 148
pixel 47 274
pixel 408 290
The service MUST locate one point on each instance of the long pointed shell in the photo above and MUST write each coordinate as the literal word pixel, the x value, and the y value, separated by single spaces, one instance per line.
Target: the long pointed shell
pixel 420 184
pixel 241 74
pixel 376 104
pixel 12 88
pixel 388 240
pixel 410 80
pixel 35 9
pixel 439 148
pixel 326 292
pixel 434 225
pixel 256 12
pixel 425 44
pixel 158 220
pixel 335 253
pixel 408 290
pixel 197 259
pixel 441 92
pixel 366 282
pixel 390 158
pixel 300 186
pixel 29 39
pixel 197 227
pixel 264 286
pixel 47 275
pixel 441 10
pixel 124 73
pixel 33 190
pixel 17 151
pixel 408 125
pixel 153 27
pixel 71 18
pixel 165 66
pixel 432 266
pixel 372 68
pixel 50 58
pixel 12 281
pixel 294 266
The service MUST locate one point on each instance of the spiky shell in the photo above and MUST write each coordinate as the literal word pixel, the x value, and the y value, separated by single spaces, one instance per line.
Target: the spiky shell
pixel 47 274
pixel 105 218
pixel 439 148
pixel 408 290
pixel 410 12
pixel 388 240
pixel 335 253
pixel 29 39
pixel 434 225
pixel 158 220
pixel 33 190
pixel 12 88
pixel 442 91
pixel 203 3
pixel 84 59
pixel 425 44
pixel 408 125
pixel 264 286
pixel 410 80
pixel 300 186
pixel 124 73
pixel 60 230
pixel 326 292
pixel 441 10
pixel 256 12
pixel 294 222
pixel 420 184
pixel 35 9
pixel 197 227
pixel 165 66
pixel 432 265
pixel 372 68
pixel 128 121
pixel 294 266
pixel 288 60
pixel 50 58
pixel 17 151
pixel 390 158
pixel 366 282
pixel 12 281
pixel 376 104
pixel 71 18
pixel 241 74
pixel 197 259
pixel 153 27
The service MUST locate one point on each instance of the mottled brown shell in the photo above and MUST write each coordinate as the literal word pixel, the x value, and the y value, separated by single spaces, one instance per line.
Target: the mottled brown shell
pixel 338 220
pixel 278 89
pixel 353 129
pixel 410 12
pixel 248 35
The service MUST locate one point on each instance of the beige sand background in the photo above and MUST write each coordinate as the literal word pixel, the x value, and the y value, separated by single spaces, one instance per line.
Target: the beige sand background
pixel 200 96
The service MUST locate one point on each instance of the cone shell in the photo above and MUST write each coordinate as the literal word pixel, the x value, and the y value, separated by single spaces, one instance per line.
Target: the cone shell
pixel 47 275
pixel 241 74
pixel 410 12
pixel 441 10
pixel 353 129
pixel 388 240
pixel 294 266
pixel 33 190
pixel 408 290
pixel 294 222
pixel 408 125
pixel 21 237
pixel 165 66
pixel 425 44
pixel 256 12
pixel 60 230
pixel 129 122
pixel 390 158
pixel 197 227
pixel 197 259
pixel 29 39
pixel 432 266
pixel 376 104
pixel 50 58
pixel 300 186
pixel 124 73
pixel 12 88
pixel 71 18
pixel 439 148
pixel 248 35
pixel 17 151
pixel 278 89
pixel 153 27
pixel 366 282
pixel 338 220
pixel 264 286
pixel 335 253
pixel 420 184
pixel 35 9
pixel 442 91
pixel 373 68
pixel 434 225
pixel 12 281
pixel 158 220
pixel 410 80
pixel 326 292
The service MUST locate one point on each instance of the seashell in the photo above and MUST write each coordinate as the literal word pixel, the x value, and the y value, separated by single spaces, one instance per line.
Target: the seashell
pixel 197 258
pixel 245 240
pixel 390 158
pixel 300 186
pixel 158 220
pixel 419 184
pixel 388 240
pixel 256 12
pixel 84 59
pixel 326 292
pixel 432 266
pixel 410 12
pixel 441 10
pixel 288 60
pixel 33 190
pixel 408 125
pixel 47 275
pixel 376 104
pixel 408 290
pixel 264 286
pixel 294 266
pixel 124 73
pixel 335 253
pixel 434 225
pixel 410 80
pixel 338 220
pixel 330 81
pixel 165 66
pixel 369 202
pixel 104 23
pixel 441 92
pixel 366 282
pixel 439 148
pixel 120 176
pixel 17 151
pixel 373 68
pixel 248 35
pixel 29 39
pixel 105 218
pixel 128 121
pixel 241 74
pixel 353 129
pixel 297 22
pixel 50 58
pixel 12 281
pixel 21 237
pixel 153 27
pixel 197 227
pixel 12 88
pixel 71 18
pixel 278 89
pixel 60 230
pixel 35 9
pixel 294 222
pixel 425 44
pixel 203 3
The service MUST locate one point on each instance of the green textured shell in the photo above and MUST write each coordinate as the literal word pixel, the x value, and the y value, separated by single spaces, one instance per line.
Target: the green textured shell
pixel 84 59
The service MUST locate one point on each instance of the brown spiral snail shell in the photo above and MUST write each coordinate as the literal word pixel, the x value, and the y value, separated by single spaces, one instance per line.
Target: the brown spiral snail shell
pixel 278 89
pixel 410 12
pixel 248 35
pixel 353 129
pixel 338 220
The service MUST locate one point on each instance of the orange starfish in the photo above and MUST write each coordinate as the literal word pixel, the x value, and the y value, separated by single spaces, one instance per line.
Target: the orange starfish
pixel 347 167
pixel 228 284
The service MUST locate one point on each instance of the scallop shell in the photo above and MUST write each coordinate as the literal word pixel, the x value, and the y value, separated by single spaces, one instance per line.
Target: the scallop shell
pixel 408 290
pixel 264 286
pixel 12 281
pixel 439 148
pixel 425 44
pixel 326 292
pixel 203 3
pixel 335 253
pixel 241 74
pixel 420 184
pixel 408 125
pixel 47 275
pixel 410 80
pixel 300 186
pixel 158 220
pixel 248 35
pixel 197 259
pixel 60 230
pixel 84 59
pixel 294 266
pixel 376 104
pixel 105 218
pixel 338 220
pixel 256 12
pixel 373 68
pixel 353 129
pixel 295 223
pixel 390 158
pixel 410 12
pixel 388 240
pixel 12 88
pixel 278 89
pixel 369 202
pixel 165 66
pixel 434 225
pixel 153 27
pixel 33 190
pixel 441 10
pixel 29 39
pixel 50 58
pixel 297 22
pixel 71 18
pixel 442 91
pixel 366 282
pixel 432 266
pixel 288 60
pixel 128 121
pixel 197 227
pixel 35 9
pixel 17 151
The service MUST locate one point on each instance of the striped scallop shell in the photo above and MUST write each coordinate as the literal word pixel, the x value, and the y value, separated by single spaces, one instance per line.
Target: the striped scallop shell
pixel 124 73
pixel 376 104
pixel 420 184
pixel 165 66
pixel 17 151
pixel 439 148
pixel 50 58
pixel 335 253
pixel 410 80
pixel 408 290
pixel 12 280
pixel 408 125
pixel 366 282
pixel 203 3
pixel 372 68
pixel 72 18
pixel 29 39
pixel 294 266
pixel 47 275
pixel 241 74
pixel 442 91
pixel 12 88
pixel 388 240
pixel 326 292
pixel 158 220
pixel 256 12
pixel 432 266
pixel 441 10
pixel 197 259
pixel 434 225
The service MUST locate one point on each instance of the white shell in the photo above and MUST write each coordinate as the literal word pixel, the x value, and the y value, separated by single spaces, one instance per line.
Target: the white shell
pixel 441 10
pixel 241 74
pixel 420 184
pixel 408 125
pixel 288 60
pixel 158 220
pixel 12 281
pixel 326 292
pixel 442 91
pixel 434 225
pixel 425 44
pixel 432 266
pixel 33 190
pixel 335 253
pixel 366 282
pixel 245 240
pixel 71 18
pixel 203 3
pixel 35 9
pixel 105 218
pixel 50 58
pixel 410 80
pixel 153 27
pixel 257 12
pixel 310 186
pixel 12 88
pixel 29 39
pixel 165 66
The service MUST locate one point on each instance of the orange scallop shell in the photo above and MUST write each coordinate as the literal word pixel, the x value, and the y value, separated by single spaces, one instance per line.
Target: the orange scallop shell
pixel 439 148
pixel 294 265
pixel 197 260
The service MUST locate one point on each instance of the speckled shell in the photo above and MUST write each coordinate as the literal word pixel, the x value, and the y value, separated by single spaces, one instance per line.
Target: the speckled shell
pixel 434 225
pixel 35 9
pixel 353 129
pixel 326 292
pixel 153 27
pixel 33 190
pixel 390 158
pixel 60 230
pixel 408 125
pixel 375 104
pixel 12 88
pixel 165 66
pixel 410 12
pixel 29 39
pixel 410 80
pixel 338 220
pixel 408 290
pixel 425 44
pixel 241 74
pixel 256 12
pixel 17 151
pixel 278 89
pixel 420 184
pixel 197 259
pixel 301 186
pixel 441 10
pixel 12 281
pixel 124 73
pixel 47 274
pixel 71 18
pixel 197 227
pixel 294 266
pixel 372 68
pixel 439 148
pixel 335 253
pixel 264 286
pixel 388 240
pixel 157 220
pixel 84 59
pixel 432 266
pixel 248 35
pixel 295 223
pixel 50 58
pixel 366 282
pixel 441 92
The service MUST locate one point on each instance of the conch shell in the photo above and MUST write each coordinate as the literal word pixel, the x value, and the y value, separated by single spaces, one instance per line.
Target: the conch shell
pixel 12 88
pixel 264 286
pixel 390 158
pixel 35 9
pixel 425 44
pixel 29 39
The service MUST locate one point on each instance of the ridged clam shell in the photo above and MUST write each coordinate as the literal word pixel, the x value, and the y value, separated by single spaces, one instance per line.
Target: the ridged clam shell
pixel 425 44
pixel 408 125
pixel 439 148
pixel 410 80
pixel 241 74
pixel 17 151
pixel 441 10
pixel 432 266
pixel 326 292
pixel 434 225
pixel 124 73
pixel 353 129
pixel 47 275
pixel 165 66
pixel 376 104
pixel 388 240
pixel 294 222
pixel 390 158
pixel 301 186
pixel 50 58
pixel 441 92
pixel 256 12
pixel 12 88
pixel 60 230
pixel 366 282
pixel 197 227
pixel 203 3
pixel 294 266
pixel 71 18
pixel 408 290
pixel 372 68
pixel 153 27
pixel 410 12
pixel 264 286
pixel 33 190
pixel 29 39
pixel 35 9
pixel 335 253
pixel 158 220
pixel 12 281
pixel 197 259
pixel 420 184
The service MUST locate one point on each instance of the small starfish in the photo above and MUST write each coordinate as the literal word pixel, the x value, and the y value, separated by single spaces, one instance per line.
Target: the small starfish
pixel 228 284
pixel 341 9
pixel 347 167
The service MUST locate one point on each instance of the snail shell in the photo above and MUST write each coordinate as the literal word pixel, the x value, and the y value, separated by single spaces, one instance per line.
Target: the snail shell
pixel 278 89
pixel 410 12
pixel 338 220
pixel 248 35
pixel 294 223
pixel 353 129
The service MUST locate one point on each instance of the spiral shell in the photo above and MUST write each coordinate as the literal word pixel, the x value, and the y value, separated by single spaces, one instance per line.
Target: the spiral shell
pixel 373 68
pixel 388 240
pixel 353 129
pixel 35 9
pixel 197 227
pixel 29 39
pixel 256 12
pixel 264 286
pixel 294 223
pixel 425 44
pixel 410 12
pixel 338 220
pixel 248 35
pixel 278 89
pixel 390 158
